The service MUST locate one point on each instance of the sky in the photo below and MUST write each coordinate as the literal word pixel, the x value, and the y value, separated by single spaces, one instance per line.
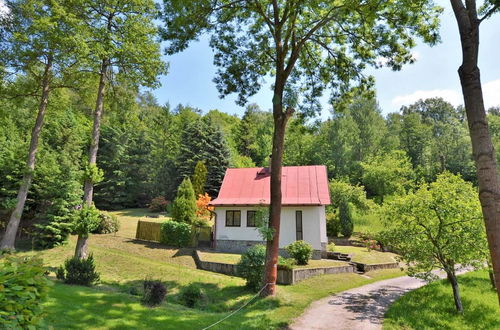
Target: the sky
pixel 189 81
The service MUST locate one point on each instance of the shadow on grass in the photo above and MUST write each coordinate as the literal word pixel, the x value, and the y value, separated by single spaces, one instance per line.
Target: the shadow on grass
pixel 85 308
pixel 432 306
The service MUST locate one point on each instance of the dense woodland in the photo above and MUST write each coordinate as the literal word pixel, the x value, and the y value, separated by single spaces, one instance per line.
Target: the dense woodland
pixel 146 149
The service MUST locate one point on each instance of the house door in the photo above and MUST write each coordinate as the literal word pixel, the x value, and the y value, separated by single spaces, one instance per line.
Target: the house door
pixel 298 226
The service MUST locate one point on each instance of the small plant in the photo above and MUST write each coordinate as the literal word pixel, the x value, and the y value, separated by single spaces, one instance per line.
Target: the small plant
pixel 371 244
pixel 23 288
pixel 159 204
pixel 191 295
pixel 286 263
pixel 154 292
pixel 251 266
pixel 79 271
pixel 60 273
pixel 108 224
pixel 330 247
pixel 300 251
pixel 175 233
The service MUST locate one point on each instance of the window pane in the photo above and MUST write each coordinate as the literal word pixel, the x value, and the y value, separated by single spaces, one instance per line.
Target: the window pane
pixel 298 225
pixel 237 218
pixel 251 218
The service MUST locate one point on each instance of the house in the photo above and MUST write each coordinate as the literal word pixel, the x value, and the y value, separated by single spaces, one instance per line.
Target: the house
pixel 244 190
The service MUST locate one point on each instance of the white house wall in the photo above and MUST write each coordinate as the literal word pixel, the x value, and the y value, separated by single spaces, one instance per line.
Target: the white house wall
pixel 313 226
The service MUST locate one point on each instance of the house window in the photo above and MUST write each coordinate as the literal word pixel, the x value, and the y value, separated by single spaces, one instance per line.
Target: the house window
pixel 233 218
pixel 251 215
pixel 298 226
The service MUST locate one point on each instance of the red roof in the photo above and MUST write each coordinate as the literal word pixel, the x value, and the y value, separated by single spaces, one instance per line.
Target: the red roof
pixel 300 185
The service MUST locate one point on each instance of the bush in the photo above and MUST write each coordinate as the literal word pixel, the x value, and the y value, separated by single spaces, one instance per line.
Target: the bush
pixel 108 224
pixel 346 224
pixel 191 295
pixel 86 220
pixel 332 225
pixel 79 271
pixel 23 287
pixel 286 263
pixel 300 251
pixel 175 233
pixel 330 247
pixel 159 204
pixel 251 266
pixel 154 293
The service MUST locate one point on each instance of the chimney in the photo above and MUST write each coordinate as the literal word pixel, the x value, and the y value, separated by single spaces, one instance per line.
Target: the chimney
pixel 270 161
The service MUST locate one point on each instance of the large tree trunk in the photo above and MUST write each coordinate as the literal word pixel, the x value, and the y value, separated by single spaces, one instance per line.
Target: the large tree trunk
pixel 9 238
pixel 88 190
pixel 452 278
pixel 482 146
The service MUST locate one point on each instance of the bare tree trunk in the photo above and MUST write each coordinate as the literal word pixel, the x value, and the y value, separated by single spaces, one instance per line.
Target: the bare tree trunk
pixel 9 238
pixel 452 278
pixel 482 146
pixel 88 190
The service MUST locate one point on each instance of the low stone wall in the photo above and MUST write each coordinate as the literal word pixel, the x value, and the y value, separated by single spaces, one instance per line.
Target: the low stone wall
pixel 237 246
pixel 217 267
pixel 286 276
pixel 369 267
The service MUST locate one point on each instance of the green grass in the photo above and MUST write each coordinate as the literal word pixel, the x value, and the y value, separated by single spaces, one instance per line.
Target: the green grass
pixel 124 263
pixel 367 223
pixel 231 258
pixel 362 255
pixel 130 217
pixel 432 307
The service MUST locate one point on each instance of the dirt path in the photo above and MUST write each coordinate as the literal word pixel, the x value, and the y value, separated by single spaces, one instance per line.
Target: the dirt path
pixel 358 308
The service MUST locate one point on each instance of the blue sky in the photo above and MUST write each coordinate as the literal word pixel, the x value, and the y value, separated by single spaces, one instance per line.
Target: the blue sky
pixel 189 81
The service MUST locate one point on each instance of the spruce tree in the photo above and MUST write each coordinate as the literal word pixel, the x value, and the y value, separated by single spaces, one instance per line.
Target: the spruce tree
pixel 184 206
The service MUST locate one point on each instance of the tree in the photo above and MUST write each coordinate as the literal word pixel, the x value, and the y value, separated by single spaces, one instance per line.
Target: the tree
pixel 42 44
pixel 199 178
pixel 388 174
pixel 307 46
pixel 201 141
pixel 345 215
pixel 438 226
pixel 122 39
pixel 482 146
pixel 184 206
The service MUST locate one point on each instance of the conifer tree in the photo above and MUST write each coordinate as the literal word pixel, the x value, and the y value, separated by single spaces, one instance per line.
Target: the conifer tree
pixel 184 206
pixel 199 178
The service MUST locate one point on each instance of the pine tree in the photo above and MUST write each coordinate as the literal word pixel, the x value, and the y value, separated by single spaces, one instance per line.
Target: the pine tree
pixel 184 206
pixel 199 178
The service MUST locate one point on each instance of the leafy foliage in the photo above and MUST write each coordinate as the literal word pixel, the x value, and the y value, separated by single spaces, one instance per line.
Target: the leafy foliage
pixel 301 251
pixel 154 292
pixel 175 233
pixel 79 271
pixel 345 216
pixel 251 266
pixel 86 220
pixel 191 295
pixel 202 208
pixel 158 204
pixel 24 288
pixel 184 206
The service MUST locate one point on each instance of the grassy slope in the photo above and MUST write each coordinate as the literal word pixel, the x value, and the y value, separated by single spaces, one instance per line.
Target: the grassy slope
pixel 361 254
pixel 124 263
pixel 431 307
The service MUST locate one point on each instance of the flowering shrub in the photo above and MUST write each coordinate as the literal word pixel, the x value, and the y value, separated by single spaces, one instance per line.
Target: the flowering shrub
pixel 371 244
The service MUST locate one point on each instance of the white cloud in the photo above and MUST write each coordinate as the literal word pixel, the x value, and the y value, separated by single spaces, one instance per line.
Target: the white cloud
pixel 491 94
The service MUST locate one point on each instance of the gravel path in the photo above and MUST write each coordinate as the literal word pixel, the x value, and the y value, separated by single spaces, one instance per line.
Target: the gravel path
pixel 359 308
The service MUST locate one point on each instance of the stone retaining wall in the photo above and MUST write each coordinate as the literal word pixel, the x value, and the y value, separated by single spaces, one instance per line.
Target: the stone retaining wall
pixel 369 267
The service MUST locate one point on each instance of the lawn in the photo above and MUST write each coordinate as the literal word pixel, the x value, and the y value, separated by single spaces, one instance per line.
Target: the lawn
pixel 124 263
pixel 231 258
pixel 362 255
pixel 431 307
pixel 367 222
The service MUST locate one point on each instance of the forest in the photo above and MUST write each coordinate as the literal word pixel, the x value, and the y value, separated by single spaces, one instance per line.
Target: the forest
pixel 146 149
